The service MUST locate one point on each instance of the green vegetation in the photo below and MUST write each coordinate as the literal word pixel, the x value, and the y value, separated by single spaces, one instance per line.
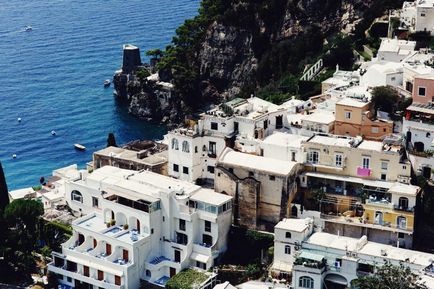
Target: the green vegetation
pixel 142 73
pixel 385 98
pixel 187 279
pixel 389 277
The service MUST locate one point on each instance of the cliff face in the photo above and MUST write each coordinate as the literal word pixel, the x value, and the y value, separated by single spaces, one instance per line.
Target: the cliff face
pixel 239 43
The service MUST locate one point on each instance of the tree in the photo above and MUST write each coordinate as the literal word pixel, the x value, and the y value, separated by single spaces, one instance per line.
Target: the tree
pixel 111 141
pixel 384 98
pixel 4 193
pixel 24 215
pixel 389 277
pixel 156 53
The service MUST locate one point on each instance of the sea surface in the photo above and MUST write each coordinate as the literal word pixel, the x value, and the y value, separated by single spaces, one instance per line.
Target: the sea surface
pixel 52 77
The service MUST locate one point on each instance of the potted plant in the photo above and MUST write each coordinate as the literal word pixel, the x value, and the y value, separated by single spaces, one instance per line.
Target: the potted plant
pixel 112 222
pixel 125 226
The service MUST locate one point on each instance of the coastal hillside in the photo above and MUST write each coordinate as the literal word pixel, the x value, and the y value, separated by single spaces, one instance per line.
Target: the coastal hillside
pixel 239 47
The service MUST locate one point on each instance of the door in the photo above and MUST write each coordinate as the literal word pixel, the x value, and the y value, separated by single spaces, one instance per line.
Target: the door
pixel 138 226
pixel 172 272
pixel 100 275
pixel 125 255
pixel 177 256
pixel 86 271
pixel 117 280
pixel 108 249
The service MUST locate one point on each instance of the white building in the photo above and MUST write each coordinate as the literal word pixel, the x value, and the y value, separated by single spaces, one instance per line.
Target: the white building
pixel 383 73
pixel 323 260
pixel 193 150
pixel 139 226
pixel 283 146
pixel 418 16
pixel 394 50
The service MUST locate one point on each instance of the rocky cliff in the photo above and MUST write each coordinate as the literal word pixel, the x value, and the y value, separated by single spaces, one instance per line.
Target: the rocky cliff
pixel 236 46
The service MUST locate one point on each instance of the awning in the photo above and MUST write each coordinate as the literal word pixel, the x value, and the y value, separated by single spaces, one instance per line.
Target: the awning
pixel 372 183
pixel 200 257
pixel 311 256
pixel 281 266
pixel 337 279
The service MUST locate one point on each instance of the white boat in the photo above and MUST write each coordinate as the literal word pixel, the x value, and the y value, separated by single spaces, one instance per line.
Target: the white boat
pixel 28 28
pixel 107 82
pixel 53 132
pixel 79 147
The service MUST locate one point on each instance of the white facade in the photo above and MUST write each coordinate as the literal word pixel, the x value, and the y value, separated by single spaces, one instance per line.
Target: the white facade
pixel 395 50
pixel 140 225
pixel 383 73
pixel 418 15
pixel 193 151
pixel 283 146
pixel 323 260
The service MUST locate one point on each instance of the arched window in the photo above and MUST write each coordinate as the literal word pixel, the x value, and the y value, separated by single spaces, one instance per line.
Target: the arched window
pixel 428 134
pixel 305 282
pixel 288 235
pixel 175 145
pixel 401 222
pixel 148 273
pixel 403 203
pixel 76 196
pixel 288 250
pixel 185 146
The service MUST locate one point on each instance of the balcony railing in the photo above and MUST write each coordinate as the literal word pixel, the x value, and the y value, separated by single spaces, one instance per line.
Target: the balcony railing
pixel 404 209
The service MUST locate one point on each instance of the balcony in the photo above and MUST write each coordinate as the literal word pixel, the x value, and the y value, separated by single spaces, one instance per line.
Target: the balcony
pixel 403 209
pixel 82 278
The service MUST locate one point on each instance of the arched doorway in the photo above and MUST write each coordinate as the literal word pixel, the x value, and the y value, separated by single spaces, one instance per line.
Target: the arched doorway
pixel 294 211
pixel 335 281
pixel 419 146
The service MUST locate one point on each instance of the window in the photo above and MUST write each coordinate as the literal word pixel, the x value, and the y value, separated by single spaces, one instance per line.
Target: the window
pixel 265 124
pixel 195 149
pixel 251 174
pixel 175 145
pixel 305 282
pixel 365 162
pixel 201 265
pixel 207 226
pixel 212 149
pixel 348 114
pixel 148 273
pixel 181 238
pixel 422 14
pixel 293 156
pixel 76 196
pixel 403 203
pixel 339 160
pixel 383 177
pixel 117 280
pixel 210 169
pixel 393 78
pixel 401 235
pixel 374 129
pixel 175 168
pixel 236 126
pixel 313 157
pixel 185 170
pixel 181 224
pixel 421 91
pixel 214 126
pixel 185 147
pixel 279 122
pixel 272 178
pixel 288 250
pixel 288 235
pixel 428 135
pixel 401 222
pixel 95 202
pixel 384 165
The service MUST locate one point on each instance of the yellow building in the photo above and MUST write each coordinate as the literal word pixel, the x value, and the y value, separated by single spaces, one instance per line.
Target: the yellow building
pixel 362 187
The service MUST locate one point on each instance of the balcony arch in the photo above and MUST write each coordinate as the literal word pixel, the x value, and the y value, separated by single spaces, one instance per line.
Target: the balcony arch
pixel 134 224
pixel 336 281
pixel 76 196
pixel 121 219
pixel 108 215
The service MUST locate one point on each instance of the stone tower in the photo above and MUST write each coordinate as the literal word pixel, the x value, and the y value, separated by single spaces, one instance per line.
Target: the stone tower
pixel 131 58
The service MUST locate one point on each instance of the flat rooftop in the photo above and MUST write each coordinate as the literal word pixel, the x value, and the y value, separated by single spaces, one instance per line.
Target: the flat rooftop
pixel 210 197
pixel 333 241
pixel 285 139
pixel 253 162
pixel 371 145
pixel 130 155
pixel 320 116
pixel 296 225
pixel 332 140
pixel 348 101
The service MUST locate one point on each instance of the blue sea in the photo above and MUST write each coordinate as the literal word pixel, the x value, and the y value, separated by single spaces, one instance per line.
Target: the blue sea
pixel 52 77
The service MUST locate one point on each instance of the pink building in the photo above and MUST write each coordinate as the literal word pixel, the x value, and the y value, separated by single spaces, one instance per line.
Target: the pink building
pixel 423 89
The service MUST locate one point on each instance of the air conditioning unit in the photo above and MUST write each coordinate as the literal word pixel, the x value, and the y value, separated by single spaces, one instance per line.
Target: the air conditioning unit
pixel 348 254
pixel 354 254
